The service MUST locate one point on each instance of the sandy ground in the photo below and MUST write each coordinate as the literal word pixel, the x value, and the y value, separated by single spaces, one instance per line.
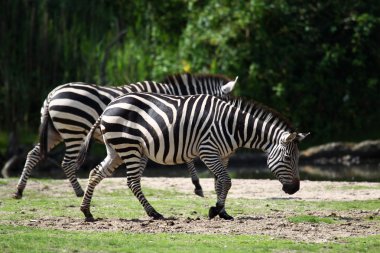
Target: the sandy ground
pixel 274 224
pixel 266 189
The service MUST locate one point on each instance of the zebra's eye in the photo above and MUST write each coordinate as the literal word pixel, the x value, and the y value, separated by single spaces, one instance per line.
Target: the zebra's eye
pixel 287 158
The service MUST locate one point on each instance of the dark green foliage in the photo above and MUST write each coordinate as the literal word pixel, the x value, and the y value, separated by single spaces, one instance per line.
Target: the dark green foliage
pixel 317 62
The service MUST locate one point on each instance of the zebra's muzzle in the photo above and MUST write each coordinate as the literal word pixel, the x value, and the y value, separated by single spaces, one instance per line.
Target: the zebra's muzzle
pixel 292 187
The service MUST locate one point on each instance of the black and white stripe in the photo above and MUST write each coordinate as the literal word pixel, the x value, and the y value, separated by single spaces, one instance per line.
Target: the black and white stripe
pixel 71 109
pixel 174 130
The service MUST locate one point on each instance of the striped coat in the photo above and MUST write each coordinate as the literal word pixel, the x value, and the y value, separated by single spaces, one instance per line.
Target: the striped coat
pixel 176 129
pixel 71 109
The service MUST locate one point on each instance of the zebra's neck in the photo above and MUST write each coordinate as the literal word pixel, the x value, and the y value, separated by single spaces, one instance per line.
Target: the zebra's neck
pixel 261 134
pixel 258 127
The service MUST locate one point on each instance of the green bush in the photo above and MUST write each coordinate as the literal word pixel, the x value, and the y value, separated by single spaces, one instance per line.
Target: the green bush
pixel 317 62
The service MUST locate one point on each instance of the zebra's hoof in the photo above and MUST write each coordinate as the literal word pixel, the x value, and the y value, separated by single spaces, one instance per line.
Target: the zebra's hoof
pixel 87 214
pixel 213 212
pixel 199 192
pixel 17 195
pixel 225 215
pixel 89 219
pixel 156 216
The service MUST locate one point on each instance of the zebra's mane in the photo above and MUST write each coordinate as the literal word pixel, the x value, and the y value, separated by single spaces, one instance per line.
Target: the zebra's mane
pixel 252 106
pixel 198 77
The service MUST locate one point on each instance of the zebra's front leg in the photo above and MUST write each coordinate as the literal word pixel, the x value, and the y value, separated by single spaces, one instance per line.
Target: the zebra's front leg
pixel 70 167
pixel 104 169
pixel 225 164
pixel 214 211
pixel 222 189
pixel 223 214
pixel 222 185
pixel 195 179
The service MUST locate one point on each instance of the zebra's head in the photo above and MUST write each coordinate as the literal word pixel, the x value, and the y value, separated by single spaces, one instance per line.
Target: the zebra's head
pixel 283 161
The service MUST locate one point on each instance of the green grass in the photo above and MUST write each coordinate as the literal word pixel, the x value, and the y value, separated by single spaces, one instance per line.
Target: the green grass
pixel 3 182
pixel 49 200
pixel 25 239
pixel 311 219
pixel 120 203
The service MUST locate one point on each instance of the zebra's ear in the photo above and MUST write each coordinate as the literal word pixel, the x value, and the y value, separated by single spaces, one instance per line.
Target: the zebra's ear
pixel 228 87
pixel 301 136
pixel 289 137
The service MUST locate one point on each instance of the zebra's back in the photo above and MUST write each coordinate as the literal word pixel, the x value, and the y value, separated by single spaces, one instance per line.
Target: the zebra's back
pixel 74 107
pixel 169 128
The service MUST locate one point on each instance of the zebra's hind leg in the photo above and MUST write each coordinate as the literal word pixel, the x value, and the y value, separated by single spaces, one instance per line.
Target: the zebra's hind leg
pixel 143 163
pixel 195 179
pixel 32 159
pixel 94 179
pixel 104 169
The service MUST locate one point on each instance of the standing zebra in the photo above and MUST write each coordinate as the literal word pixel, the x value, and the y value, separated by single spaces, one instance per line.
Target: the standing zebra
pixel 176 129
pixel 71 109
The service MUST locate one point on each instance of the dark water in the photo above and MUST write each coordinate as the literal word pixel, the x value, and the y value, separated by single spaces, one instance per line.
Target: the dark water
pixel 247 165
pixel 238 168
pixel 363 172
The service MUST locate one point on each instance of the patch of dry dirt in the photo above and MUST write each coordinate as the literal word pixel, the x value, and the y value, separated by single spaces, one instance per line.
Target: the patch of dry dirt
pixel 266 189
pixel 274 224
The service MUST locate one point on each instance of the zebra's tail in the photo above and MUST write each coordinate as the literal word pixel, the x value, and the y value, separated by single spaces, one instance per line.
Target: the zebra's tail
pixel 47 123
pixel 44 129
pixel 87 143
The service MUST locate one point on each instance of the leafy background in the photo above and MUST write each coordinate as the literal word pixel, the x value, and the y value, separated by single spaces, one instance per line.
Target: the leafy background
pixel 317 62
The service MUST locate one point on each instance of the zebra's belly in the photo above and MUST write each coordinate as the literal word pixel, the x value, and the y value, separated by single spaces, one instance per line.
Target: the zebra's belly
pixel 170 159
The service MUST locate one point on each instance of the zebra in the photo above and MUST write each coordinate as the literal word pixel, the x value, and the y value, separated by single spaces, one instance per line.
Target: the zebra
pixel 71 109
pixel 175 129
